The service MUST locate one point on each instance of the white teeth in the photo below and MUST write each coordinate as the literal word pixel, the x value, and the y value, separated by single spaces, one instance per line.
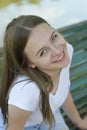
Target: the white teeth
pixel 60 57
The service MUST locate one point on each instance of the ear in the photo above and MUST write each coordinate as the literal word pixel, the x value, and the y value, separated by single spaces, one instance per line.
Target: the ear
pixel 31 65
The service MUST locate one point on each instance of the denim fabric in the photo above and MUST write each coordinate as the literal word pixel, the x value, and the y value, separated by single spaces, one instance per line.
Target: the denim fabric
pixel 36 127
pixel 2 126
pixel 44 126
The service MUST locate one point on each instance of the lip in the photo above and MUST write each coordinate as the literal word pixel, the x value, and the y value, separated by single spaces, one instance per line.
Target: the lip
pixel 59 59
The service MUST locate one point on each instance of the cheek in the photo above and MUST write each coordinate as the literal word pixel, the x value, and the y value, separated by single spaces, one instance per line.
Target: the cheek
pixel 45 61
pixel 39 63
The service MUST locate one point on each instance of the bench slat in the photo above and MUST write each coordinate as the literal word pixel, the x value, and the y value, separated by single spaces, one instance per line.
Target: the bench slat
pixel 78 58
pixel 78 69
pixel 77 35
pixel 76 83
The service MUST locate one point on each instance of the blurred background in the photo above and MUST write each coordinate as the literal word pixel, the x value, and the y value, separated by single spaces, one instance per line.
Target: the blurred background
pixel 59 13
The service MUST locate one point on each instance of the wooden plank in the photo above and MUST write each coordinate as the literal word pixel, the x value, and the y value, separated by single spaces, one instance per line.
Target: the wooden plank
pixel 76 83
pixel 78 69
pixel 80 45
pixel 77 36
pixel 73 28
pixel 82 103
pixel 79 57
pixel 82 92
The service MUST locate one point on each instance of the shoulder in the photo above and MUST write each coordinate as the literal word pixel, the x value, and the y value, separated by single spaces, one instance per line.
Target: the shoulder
pixel 24 93
pixel 24 85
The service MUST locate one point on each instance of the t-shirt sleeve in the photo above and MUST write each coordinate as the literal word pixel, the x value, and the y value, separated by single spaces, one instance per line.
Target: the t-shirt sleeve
pixel 24 95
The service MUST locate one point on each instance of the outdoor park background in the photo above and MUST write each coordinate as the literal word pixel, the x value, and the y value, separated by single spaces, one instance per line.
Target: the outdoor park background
pixel 58 13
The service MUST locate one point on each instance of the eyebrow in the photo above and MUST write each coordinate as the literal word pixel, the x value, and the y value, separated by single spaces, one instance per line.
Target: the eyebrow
pixel 49 40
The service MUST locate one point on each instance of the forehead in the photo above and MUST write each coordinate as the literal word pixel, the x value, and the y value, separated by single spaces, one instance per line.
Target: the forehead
pixel 39 37
pixel 40 32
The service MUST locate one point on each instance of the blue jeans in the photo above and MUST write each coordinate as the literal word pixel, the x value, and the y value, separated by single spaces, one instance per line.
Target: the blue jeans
pixel 2 126
pixel 46 127
pixel 59 124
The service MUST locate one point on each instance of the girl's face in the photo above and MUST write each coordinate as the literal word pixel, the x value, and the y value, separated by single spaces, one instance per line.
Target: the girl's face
pixel 46 49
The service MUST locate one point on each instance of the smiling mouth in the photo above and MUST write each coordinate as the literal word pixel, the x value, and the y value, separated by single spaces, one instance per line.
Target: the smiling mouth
pixel 60 58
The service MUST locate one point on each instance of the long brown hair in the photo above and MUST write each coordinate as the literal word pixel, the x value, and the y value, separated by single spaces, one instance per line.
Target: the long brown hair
pixel 15 63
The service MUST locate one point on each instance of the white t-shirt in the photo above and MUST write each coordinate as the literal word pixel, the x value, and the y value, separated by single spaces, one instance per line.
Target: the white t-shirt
pixel 25 94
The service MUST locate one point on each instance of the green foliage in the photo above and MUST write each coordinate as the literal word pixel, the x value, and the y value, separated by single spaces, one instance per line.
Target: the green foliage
pixel 34 1
pixel 4 3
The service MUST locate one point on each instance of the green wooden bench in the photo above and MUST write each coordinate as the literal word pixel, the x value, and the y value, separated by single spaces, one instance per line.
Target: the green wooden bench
pixel 77 35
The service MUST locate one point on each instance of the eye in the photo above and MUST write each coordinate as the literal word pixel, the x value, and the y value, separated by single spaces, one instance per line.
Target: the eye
pixel 54 37
pixel 43 52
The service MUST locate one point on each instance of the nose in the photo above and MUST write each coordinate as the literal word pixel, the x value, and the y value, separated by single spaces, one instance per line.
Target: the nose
pixel 55 51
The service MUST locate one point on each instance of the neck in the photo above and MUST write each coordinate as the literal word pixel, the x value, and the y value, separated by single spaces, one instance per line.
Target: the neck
pixel 55 81
pixel 55 75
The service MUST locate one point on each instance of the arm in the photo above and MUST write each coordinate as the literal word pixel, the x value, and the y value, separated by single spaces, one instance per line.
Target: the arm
pixel 17 118
pixel 73 114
